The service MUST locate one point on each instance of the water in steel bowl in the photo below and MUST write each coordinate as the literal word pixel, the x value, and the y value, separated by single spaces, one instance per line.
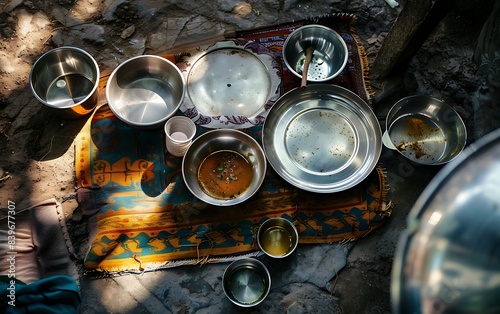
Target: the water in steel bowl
pixel 67 90
pixel 277 241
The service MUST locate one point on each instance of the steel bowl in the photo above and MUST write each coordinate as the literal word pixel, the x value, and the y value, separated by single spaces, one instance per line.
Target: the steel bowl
pixel 66 79
pixel 329 56
pixel 448 258
pixel 223 140
pixel 277 237
pixel 323 138
pixel 246 282
pixel 425 130
pixel 145 91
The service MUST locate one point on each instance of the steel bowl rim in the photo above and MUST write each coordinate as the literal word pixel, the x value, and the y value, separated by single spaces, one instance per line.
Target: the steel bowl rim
pixel 424 203
pixel 163 119
pixel 396 106
pixel 69 48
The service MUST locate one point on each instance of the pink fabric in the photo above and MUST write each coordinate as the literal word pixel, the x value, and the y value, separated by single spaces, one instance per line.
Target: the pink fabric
pixel 40 247
pixel 25 265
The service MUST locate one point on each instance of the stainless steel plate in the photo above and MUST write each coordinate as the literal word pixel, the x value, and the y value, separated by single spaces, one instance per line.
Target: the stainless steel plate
pixel 323 138
pixel 230 85
pixel 229 82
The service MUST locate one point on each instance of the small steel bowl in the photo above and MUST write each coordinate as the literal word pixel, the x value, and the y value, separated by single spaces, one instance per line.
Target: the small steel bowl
pixel 329 56
pixel 425 130
pixel 223 140
pixel 66 79
pixel 145 91
pixel 277 237
pixel 246 282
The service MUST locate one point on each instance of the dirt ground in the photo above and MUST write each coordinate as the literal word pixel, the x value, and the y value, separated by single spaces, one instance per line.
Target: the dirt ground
pixel 37 148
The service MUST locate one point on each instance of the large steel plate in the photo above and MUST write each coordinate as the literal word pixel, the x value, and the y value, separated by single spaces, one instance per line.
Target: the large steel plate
pixel 322 138
pixel 230 85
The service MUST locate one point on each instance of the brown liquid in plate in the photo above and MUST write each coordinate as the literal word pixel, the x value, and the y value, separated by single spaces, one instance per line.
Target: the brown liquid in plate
pixel 225 174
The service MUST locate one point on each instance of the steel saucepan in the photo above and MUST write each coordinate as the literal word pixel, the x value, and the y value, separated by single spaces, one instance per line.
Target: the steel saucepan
pixel 425 130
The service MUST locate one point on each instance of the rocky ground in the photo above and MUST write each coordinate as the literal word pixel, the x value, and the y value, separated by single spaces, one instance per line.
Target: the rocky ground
pixel 36 147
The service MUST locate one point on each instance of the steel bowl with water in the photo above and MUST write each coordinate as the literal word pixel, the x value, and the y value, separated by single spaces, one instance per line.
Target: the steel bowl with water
pixel 66 79
pixel 329 56
pixel 246 282
pixel 145 91
pixel 277 237
pixel 425 130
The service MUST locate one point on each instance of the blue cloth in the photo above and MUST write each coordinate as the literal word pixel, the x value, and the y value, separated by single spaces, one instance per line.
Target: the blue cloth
pixel 56 294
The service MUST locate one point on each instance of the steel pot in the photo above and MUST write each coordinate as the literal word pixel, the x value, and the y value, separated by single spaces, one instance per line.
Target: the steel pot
pixel 425 130
pixel 66 79
pixel 145 91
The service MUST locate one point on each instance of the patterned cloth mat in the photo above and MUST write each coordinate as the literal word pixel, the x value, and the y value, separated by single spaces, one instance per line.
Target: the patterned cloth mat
pixel 145 218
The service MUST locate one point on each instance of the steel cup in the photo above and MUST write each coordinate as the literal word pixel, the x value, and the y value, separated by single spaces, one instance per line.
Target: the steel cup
pixel 246 282
pixel 329 56
pixel 277 237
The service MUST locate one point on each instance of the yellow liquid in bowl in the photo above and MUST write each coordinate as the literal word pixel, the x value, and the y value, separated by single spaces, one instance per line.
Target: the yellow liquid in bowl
pixel 276 241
